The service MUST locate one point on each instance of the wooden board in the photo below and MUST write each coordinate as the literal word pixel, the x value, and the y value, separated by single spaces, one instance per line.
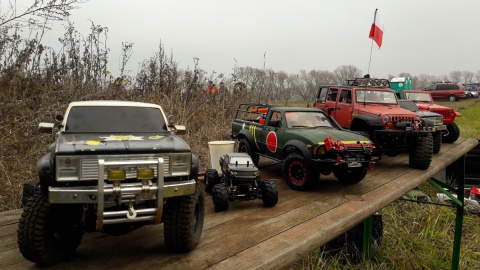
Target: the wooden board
pixel 248 235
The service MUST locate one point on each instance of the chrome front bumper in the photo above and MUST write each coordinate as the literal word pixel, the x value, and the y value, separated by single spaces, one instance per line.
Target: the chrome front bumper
pixel 105 194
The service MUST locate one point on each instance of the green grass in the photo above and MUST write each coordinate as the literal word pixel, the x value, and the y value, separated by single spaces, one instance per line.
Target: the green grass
pixel 419 236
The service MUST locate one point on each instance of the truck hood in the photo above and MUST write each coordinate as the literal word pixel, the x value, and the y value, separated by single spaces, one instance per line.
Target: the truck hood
pixel 386 110
pixel 426 114
pixel 119 143
pixel 318 135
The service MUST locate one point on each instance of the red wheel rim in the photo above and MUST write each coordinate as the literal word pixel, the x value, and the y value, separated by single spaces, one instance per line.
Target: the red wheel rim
pixel 297 173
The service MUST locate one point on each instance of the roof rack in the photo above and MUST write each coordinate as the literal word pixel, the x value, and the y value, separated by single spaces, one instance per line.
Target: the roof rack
pixel 369 82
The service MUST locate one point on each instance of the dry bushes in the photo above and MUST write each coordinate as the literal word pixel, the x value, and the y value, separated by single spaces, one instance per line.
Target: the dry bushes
pixel 31 95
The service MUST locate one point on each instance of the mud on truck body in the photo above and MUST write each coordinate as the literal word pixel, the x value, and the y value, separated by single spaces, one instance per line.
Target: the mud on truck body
pixel 368 106
pixel 425 102
pixel 306 140
pixel 114 167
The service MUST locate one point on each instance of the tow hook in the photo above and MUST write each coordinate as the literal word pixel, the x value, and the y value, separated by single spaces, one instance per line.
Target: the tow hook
pixel 131 213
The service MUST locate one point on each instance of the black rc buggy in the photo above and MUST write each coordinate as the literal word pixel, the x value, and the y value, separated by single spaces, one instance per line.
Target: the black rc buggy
pixel 240 180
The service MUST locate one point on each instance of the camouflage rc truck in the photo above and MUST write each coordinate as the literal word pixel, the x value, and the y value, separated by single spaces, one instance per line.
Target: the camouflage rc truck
pixel 438 129
pixel 306 140
pixel 424 101
pixel 240 180
pixel 368 106
pixel 114 167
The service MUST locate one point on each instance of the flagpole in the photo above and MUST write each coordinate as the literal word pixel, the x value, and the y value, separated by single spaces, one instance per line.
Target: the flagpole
pixel 371 47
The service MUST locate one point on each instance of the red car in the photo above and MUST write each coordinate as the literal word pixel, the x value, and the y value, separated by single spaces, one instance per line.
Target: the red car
pixel 425 102
pixel 450 91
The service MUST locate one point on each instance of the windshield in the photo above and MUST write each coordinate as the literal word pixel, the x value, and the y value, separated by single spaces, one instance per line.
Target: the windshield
pixel 307 119
pixel 115 119
pixel 376 96
pixel 409 105
pixel 418 96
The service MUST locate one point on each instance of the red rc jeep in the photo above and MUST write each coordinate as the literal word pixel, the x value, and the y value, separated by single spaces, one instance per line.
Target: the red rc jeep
pixel 425 103
pixel 368 106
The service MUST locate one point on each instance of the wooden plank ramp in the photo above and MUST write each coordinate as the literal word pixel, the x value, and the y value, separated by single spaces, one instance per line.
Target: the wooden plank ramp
pixel 248 235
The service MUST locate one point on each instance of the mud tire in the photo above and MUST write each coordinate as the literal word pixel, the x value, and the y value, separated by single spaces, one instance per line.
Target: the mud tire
pixel 220 196
pixel 269 193
pixel 211 178
pixel 437 141
pixel 421 152
pixel 453 133
pixel 183 221
pixel 298 174
pixel 49 233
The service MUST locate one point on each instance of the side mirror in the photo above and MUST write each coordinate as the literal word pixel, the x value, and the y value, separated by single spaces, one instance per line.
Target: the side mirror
pixel 46 127
pixel 179 129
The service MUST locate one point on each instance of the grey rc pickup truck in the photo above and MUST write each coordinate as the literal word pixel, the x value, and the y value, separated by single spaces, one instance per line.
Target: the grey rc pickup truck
pixel 114 167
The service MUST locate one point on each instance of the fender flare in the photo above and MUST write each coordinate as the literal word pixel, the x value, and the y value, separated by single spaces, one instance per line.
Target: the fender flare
pixel 371 121
pixel 296 146
pixel 245 133
pixel 45 172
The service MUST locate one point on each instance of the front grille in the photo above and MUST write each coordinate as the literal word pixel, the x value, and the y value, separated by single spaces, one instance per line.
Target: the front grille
pixel 403 119
pixel 445 113
pixel 89 165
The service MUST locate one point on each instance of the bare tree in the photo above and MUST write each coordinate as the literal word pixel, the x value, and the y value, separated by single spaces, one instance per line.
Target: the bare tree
pixel 47 10
pixel 467 76
pixel 347 72
pixel 455 76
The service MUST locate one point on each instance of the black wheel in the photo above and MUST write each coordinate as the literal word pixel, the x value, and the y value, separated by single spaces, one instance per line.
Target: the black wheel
pixel 211 179
pixel 183 221
pixel 421 152
pixel 49 233
pixel 348 175
pixel 220 196
pixel 298 174
pixel 245 147
pixel 453 133
pixel 437 141
pixel 269 193
pixel 452 98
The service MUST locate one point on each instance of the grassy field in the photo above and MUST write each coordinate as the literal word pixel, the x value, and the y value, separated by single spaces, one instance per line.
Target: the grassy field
pixel 419 236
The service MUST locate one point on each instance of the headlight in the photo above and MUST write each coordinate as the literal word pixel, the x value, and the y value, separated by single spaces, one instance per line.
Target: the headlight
pixel 180 164
pixel 386 119
pixel 67 168
pixel 116 174
pixel 319 150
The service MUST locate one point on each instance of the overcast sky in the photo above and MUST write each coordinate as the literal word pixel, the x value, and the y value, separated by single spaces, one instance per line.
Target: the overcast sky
pixel 431 37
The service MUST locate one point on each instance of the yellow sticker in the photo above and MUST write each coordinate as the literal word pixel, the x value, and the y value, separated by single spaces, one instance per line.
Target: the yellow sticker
pixel 93 142
pixel 156 137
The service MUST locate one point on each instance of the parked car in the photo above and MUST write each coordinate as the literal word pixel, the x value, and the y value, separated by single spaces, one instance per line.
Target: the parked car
pixel 471 90
pixel 368 106
pixel 450 91
pixel 436 118
pixel 424 101
pixel 308 142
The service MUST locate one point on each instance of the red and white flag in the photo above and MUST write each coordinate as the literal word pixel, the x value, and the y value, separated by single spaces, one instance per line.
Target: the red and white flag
pixel 376 32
